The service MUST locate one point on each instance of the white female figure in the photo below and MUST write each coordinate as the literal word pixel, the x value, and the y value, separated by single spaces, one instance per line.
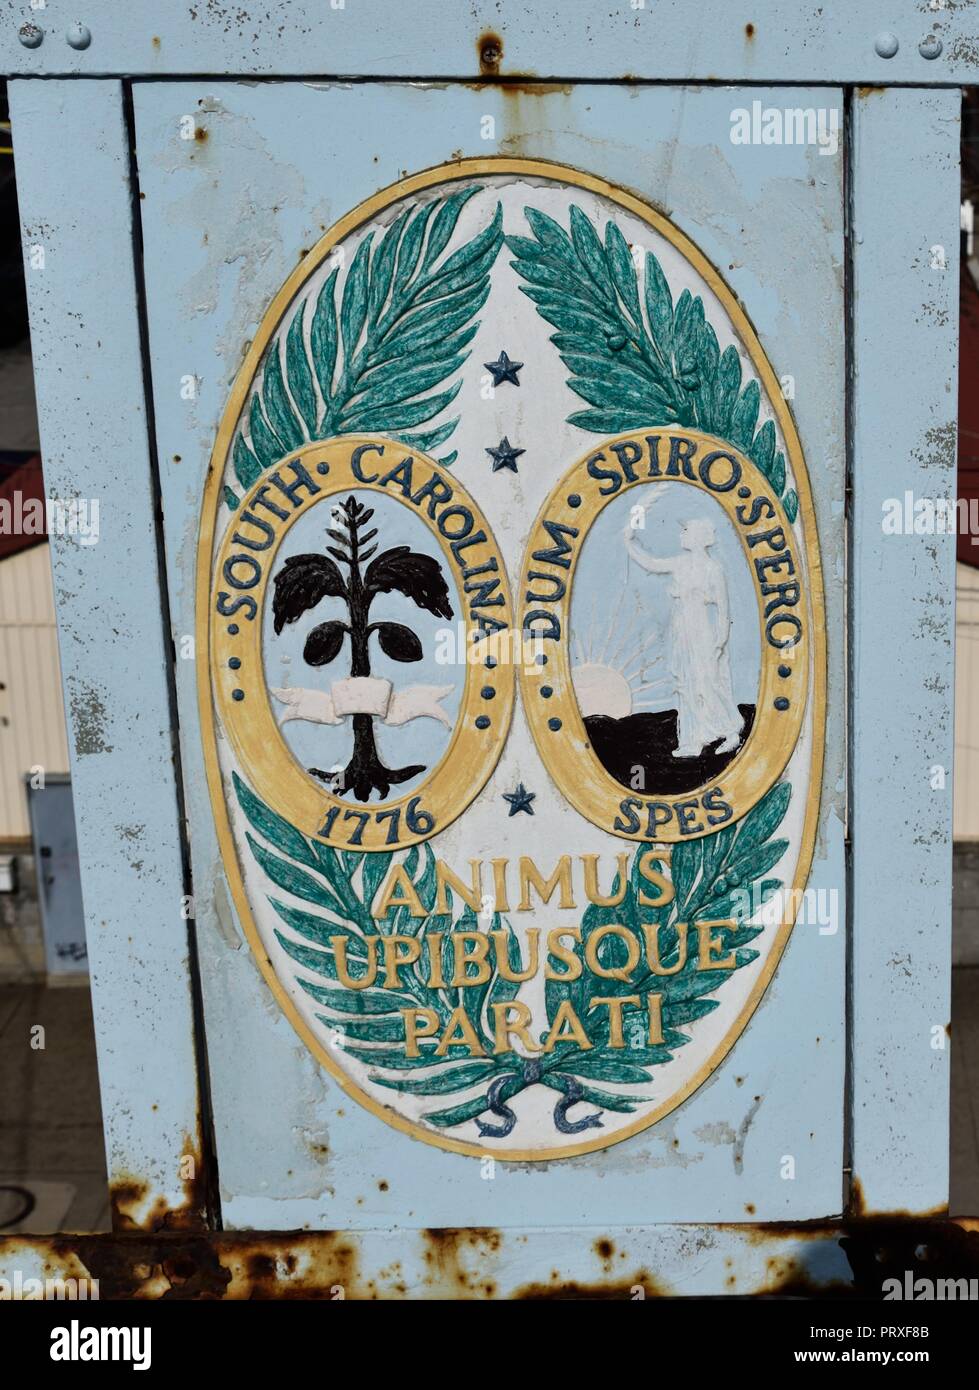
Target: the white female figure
pixel 700 626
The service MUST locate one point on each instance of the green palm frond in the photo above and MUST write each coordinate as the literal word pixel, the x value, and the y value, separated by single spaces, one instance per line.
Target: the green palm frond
pixel 367 355
pixel 633 355
pixel 367 1023
pixel 713 878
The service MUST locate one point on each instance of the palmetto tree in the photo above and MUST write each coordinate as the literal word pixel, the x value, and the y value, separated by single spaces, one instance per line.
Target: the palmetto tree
pixel 305 580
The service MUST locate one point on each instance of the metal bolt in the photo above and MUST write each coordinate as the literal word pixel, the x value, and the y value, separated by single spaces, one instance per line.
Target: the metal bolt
pixel 930 47
pixel 31 35
pixel 886 45
pixel 79 36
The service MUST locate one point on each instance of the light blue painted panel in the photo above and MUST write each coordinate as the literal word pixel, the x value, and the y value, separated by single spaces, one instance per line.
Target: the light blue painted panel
pixel 765 41
pixel 906 289
pixel 75 204
pixel 226 217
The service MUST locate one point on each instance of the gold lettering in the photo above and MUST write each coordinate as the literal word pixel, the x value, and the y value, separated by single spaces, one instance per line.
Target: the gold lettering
pixel 445 877
pixel 612 972
pixel 708 945
pixel 470 948
pixel 651 934
pixel 459 1032
pixel 654 1008
pixel 501 902
pixel 566 1028
pixel 393 958
pixel 339 944
pixel 590 862
pixel 564 954
pixel 615 1004
pixel 399 891
pixel 436 980
pixel 531 876
pixel 666 890
pixel 504 1026
pixel 419 1023
pixel 500 941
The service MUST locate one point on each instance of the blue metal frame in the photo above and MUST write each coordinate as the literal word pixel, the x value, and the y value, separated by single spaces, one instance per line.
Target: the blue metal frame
pixel 902 631
pixel 72 140
pixel 657 40
pixel 115 653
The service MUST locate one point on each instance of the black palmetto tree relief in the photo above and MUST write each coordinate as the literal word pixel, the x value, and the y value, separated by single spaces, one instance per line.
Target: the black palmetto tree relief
pixel 305 580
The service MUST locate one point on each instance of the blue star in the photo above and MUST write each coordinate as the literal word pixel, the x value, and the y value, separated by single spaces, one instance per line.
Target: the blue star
pixel 503 370
pixel 505 456
pixel 520 800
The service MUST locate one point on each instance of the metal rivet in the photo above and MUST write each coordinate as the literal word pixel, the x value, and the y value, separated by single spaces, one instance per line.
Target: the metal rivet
pixel 930 47
pixel 30 35
pixel 886 45
pixel 79 36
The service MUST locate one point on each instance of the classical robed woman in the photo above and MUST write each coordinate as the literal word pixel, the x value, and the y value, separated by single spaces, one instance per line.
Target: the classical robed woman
pixel 700 628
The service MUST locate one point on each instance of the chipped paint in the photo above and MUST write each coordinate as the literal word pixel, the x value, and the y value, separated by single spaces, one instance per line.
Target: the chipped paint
pixel 431 39
pixel 88 717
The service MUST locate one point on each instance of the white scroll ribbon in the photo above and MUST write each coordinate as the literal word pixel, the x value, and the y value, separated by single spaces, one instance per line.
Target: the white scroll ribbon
pixel 364 695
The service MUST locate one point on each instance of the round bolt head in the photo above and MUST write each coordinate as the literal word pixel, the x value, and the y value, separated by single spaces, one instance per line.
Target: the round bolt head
pixel 31 35
pixel 930 47
pixel 886 45
pixel 79 36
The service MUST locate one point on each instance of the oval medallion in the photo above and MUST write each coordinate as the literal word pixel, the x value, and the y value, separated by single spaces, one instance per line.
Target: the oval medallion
pixel 522 928
pixel 314 572
pixel 660 720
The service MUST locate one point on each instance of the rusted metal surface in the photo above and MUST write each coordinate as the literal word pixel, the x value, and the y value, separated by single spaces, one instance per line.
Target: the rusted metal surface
pixel 835 1260
pixel 136 1207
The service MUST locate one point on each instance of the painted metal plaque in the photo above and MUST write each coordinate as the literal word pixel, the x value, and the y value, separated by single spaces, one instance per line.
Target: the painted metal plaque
pixel 514 703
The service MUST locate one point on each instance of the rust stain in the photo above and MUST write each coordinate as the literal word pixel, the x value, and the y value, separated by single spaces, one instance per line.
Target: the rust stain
pixel 524 88
pixel 605 1250
pixel 857 1207
pixel 181 1265
pixel 869 91
pixel 615 1290
pixel 749 31
pixel 444 1253
pixel 156 41
pixel 128 1198
pixel 489 47
pixel 200 134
